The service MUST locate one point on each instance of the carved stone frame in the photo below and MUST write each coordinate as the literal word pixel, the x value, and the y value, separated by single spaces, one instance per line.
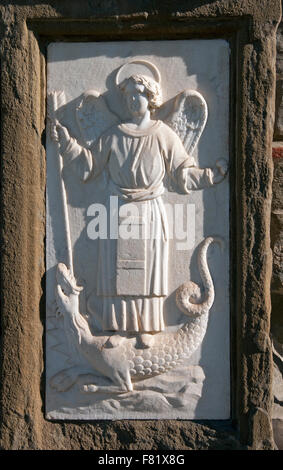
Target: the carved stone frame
pixel 25 33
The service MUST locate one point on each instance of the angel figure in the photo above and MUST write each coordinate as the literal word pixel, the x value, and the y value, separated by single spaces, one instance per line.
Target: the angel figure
pixel 137 154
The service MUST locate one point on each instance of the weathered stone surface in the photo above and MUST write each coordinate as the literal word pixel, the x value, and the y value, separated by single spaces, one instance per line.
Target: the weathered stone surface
pixel 278 126
pixel 277 222
pixel 276 230
pixel 25 32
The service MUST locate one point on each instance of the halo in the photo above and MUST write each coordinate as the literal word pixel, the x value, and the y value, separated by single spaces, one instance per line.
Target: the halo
pixel 148 64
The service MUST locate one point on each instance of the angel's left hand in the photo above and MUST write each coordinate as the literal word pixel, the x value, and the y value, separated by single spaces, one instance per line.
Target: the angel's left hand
pixel 220 171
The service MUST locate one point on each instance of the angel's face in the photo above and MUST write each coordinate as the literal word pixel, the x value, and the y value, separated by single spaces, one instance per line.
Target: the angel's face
pixel 136 98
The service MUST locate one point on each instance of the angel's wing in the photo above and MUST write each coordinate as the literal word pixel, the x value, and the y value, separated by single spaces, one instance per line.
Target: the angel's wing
pixel 93 116
pixel 188 118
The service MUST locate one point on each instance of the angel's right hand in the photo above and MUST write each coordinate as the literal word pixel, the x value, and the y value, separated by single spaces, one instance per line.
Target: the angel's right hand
pixel 63 136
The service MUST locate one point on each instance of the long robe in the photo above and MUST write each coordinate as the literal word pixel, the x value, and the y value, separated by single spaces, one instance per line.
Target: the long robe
pixel 133 273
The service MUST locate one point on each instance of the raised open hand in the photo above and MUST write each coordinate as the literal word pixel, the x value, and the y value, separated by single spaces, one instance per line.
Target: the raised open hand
pixel 220 171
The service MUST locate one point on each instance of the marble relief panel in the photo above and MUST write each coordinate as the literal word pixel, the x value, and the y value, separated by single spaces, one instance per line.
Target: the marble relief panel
pixel 137 241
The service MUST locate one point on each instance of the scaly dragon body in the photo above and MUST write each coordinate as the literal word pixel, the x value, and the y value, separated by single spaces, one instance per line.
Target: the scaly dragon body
pixel 124 364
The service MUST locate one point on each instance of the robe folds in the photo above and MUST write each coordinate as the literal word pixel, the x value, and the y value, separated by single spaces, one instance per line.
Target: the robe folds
pixel 133 272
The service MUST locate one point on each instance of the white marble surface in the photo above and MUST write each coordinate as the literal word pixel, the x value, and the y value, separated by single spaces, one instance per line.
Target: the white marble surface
pixel 201 65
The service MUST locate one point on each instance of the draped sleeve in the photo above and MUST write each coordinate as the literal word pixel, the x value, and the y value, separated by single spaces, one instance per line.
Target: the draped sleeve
pixel 181 166
pixel 88 162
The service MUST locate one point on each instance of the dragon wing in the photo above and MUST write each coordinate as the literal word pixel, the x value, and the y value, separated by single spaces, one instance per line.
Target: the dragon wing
pixel 188 118
pixel 93 116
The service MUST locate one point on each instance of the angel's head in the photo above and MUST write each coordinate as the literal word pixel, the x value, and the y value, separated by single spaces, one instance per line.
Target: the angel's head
pixel 141 93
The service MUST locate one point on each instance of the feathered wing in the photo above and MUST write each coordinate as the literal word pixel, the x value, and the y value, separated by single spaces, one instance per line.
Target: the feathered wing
pixel 93 116
pixel 188 118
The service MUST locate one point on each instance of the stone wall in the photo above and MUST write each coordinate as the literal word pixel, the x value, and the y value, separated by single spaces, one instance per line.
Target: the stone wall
pixel 277 247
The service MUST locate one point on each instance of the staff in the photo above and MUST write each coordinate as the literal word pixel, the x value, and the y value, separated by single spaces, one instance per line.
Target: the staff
pixel 55 100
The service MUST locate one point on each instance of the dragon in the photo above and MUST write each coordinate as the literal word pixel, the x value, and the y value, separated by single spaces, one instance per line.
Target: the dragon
pixel 124 364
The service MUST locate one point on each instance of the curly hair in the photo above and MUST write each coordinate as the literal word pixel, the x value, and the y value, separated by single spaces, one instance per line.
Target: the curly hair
pixel 153 89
